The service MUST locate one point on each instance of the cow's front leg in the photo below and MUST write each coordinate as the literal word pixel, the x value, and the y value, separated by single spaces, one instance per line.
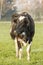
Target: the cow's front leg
pixel 20 49
pixel 20 53
pixel 28 51
pixel 16 47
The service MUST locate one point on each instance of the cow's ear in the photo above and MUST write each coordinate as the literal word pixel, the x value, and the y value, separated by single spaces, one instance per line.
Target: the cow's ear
pixel 14 19
pixel 15 15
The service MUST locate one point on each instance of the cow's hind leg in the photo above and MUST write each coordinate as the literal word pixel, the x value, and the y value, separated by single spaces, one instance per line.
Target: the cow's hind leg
pixel 28 51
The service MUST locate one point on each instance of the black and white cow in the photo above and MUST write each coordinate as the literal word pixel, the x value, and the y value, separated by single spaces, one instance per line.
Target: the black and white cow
pixel 22 31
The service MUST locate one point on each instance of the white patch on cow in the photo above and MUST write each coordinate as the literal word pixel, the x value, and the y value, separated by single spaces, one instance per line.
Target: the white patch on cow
pixel 23 33
pixel 14 31
pixel 21 18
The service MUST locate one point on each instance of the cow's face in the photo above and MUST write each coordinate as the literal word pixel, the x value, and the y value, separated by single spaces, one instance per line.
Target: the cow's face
pixel 21 25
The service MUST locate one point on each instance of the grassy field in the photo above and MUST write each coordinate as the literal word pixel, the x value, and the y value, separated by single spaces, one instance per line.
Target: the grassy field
pixel 7 48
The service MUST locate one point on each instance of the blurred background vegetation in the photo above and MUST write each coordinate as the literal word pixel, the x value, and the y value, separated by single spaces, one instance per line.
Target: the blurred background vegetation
pixel 9 7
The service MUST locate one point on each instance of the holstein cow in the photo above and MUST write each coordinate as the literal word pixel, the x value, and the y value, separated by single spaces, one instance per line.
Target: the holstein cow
pixel 22 31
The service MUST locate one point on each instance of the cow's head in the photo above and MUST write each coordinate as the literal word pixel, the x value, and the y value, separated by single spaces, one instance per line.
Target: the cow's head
pixel 22 25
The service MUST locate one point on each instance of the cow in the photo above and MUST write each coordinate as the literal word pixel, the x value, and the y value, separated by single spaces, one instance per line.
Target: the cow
pixel 22 31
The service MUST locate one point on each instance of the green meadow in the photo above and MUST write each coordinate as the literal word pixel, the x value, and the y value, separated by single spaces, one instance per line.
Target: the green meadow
pixel 7 47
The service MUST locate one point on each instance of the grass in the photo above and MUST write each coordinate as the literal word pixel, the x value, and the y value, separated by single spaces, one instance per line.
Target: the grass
pixel 7 48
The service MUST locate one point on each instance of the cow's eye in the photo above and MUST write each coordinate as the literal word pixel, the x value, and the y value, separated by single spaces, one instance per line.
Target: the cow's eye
pixel 15 21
